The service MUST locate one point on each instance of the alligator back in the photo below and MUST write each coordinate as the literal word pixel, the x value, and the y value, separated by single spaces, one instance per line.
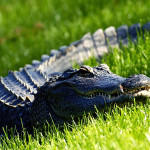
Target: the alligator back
pixel 16 95
pixel 96 44
pixel 18 88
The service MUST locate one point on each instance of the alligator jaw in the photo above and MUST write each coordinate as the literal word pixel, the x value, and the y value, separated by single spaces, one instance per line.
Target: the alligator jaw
pixel 143 91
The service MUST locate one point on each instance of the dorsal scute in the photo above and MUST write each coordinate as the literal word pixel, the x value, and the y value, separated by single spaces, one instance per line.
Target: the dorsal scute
pixel 19 87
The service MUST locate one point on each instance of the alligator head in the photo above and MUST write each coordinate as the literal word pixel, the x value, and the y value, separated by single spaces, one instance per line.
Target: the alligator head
pixel 79 91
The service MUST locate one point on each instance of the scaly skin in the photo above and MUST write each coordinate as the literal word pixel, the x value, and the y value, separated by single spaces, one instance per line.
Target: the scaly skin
pixel 38 92
pixel 79 91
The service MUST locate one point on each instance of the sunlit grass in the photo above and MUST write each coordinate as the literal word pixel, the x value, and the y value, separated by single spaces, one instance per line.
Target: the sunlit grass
pixel 31 28
pixel 118 127
pixel 126 61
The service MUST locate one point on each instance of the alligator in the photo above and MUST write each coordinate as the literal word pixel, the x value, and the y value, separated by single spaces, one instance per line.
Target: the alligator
pixel 51 91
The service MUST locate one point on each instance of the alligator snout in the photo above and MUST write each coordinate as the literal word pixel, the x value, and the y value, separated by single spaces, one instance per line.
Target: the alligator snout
pixel 136 82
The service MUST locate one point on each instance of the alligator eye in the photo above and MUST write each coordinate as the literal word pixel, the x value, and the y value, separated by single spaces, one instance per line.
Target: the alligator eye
pixel 86 70
pixel 104 67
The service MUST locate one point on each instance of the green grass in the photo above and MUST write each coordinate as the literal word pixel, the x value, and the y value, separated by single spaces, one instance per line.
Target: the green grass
pixel 122 128
pixel 127 61
pixel 30 28
pixel 118 127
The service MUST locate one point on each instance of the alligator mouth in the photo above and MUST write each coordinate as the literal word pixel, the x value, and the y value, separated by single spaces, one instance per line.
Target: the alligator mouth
pixel 143 91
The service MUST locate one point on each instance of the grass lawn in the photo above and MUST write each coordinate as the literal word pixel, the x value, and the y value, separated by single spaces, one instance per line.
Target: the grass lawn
pixel 31 28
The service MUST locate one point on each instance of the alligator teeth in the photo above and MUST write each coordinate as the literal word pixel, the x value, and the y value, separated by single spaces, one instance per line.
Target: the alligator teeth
pixel 110 96
pixel 143 93
pixel 139 91
pixel 89 96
